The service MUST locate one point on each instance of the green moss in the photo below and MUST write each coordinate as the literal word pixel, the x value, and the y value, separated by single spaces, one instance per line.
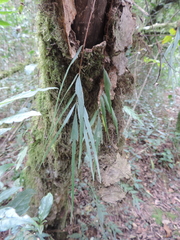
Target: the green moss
pixel 53 66
pixel 178 123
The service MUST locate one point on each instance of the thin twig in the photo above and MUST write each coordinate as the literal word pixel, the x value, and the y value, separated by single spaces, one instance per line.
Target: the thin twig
pixel 85 38
pixel 140 93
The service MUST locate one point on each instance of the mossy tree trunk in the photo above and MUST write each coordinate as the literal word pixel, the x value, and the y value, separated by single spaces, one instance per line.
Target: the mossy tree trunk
pixel 104 28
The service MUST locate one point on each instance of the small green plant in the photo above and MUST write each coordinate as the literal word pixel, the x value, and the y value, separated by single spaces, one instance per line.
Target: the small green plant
pixel 99 220
pixel 13 217
pixel 133 190
pixel 158 215
pixel 108 229
pixel 167 158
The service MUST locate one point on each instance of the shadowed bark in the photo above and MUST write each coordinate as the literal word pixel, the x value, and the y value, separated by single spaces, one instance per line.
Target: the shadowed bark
pixel 97 24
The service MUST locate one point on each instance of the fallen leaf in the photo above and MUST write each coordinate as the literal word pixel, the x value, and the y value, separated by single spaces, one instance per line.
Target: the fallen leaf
pixel 168 231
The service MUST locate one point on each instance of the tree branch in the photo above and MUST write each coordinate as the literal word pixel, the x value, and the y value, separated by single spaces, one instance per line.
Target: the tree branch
pixel 19 67
pixel 160 25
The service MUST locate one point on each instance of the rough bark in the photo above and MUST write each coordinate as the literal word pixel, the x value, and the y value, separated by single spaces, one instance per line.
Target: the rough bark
pixel 62 29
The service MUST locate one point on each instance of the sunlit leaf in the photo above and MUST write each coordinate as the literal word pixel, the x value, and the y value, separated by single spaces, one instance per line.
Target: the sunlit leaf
pixel 4 24
pixel 148 60
pixel 2 88
pixel 20 8
pixel 172 31
pixel 3 1
pixel 22 95
pixel 21 157
pixel 167 39
pixel 80 108
pixel 20 117
pixel 45 206
pixel 10 219
pixel 4 130
pixel 7 12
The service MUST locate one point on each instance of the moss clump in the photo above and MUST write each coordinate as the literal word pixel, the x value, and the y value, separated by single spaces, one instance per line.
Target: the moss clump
pixel 178 123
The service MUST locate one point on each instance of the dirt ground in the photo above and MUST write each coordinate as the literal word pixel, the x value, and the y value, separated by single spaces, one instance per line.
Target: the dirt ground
pixel 151 209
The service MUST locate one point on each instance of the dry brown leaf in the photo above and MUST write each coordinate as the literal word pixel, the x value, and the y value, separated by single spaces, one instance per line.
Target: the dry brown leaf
pixel 168 231
pixel 120 169
pixel 112 194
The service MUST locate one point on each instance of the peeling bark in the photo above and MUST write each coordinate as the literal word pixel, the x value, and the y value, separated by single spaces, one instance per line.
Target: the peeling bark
pixel 62 29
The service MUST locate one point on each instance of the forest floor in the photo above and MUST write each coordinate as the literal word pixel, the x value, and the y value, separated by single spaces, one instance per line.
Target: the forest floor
pixel 151 209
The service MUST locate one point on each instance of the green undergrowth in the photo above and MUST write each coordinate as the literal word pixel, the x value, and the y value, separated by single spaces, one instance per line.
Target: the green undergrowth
pixel 159 213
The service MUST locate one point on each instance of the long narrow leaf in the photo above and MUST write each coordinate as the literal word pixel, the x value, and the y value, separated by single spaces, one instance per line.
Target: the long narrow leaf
pixel 19 117
pixel 107 103
pixel 55 122
pixel 27 94
pixel 104 119
pixel 67 71
pixel 115 121
pixel 58 133
pixel 91 138
pixel 94 118
pixel 107 85
pixel 74 138
pixel 73 168
pixel 80 108
pixel 4 24
pixel 74 132
pixel 89 153
pixel 21 157
pixel 98 134
pixel 4 1
pixel 65 94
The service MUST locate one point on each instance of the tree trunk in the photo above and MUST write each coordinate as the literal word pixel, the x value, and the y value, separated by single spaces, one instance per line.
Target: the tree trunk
pixel 104 28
